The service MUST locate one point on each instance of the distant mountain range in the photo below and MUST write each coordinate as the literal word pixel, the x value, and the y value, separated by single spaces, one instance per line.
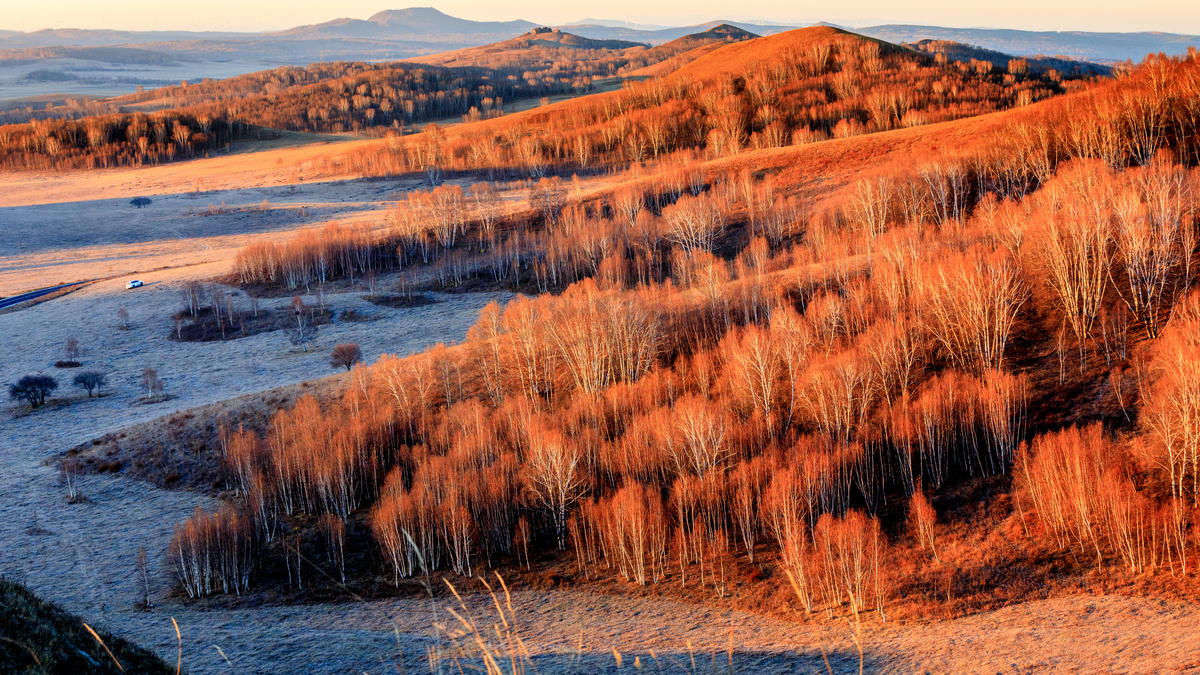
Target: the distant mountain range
pixel 82 37
pixel 416 31
pixel 1096 47
pixel 413 23
pixel 611 23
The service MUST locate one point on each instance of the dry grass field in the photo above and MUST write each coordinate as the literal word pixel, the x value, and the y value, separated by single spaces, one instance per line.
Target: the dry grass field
pixel 80 225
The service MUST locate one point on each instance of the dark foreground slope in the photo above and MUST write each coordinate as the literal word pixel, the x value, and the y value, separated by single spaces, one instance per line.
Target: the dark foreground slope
pixel 38 637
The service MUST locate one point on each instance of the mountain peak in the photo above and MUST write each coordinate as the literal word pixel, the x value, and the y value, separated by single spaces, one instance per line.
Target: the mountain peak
pixel 408 15
pixel 431 20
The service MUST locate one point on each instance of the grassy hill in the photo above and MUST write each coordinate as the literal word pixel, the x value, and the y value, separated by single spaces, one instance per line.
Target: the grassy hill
pixel 39 638
pixel 535 48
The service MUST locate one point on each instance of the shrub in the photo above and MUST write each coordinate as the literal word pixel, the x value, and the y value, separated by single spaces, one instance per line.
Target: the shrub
pixel 345 356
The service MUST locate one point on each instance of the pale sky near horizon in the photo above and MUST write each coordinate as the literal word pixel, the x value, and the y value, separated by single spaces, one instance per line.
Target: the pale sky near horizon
pixel 1174 16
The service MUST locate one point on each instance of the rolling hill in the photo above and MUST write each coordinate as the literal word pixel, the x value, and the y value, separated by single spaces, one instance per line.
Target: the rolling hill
pixel 113 55
pixel 957 51
pixel 781 91
pixel 537 46
pixel 397 34
pixel 742 55
pixel 812 83
pixel 718 34
pixel 671 56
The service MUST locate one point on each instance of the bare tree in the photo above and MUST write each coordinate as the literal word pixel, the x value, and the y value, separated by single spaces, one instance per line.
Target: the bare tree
pixel 1073 246
pixel 700 440
pixel 69 471
pixel 335 541
pixel 192 291
pixel 34 389
pixel 629 203
pixel 149 377
pixel 302 329
pixel 871 205
pixel 755 367
pixel 143 566
pixel 970 301
pixel 694 223
pixel 555 477
pixel 1154 237
pixel 549 196
pixel 487 211
pixel 922 518
pixel 345 356
pixel 445 210
pixel 90 380
pixel 72 351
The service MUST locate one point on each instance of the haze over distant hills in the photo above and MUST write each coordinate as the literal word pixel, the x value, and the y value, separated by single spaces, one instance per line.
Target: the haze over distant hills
pixel 401 33
pixel 1098 47
pixel 414 23
pixel 28 69
pixel 617 24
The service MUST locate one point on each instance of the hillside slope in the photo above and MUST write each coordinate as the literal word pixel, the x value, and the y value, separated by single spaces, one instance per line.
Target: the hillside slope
pixel 671 56
pixel 39 637
pixel 534 48
pixel 782 90
pixel 743 56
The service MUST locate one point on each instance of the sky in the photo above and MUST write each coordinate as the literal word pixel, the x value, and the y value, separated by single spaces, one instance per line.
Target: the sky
pixel 1175 16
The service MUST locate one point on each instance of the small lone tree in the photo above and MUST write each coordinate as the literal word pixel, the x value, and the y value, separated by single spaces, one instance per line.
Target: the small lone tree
pixel 302 328
pixel 149 377
pixel 345 356
pixel 72 352
pixel 69 470
pixel 143 565
pixel 33 389
pixel 90 380
pixel 140 202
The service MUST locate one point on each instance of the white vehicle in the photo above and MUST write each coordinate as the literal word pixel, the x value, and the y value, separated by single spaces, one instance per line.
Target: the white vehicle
pixel 133 284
